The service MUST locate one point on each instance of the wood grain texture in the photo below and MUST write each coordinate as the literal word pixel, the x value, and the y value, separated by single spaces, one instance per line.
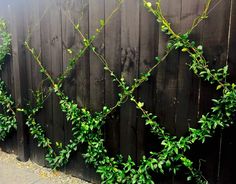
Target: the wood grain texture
pixel 77 83
pixel 18 63
pixel 149 37
pixel 167 75
pixel 228 160
pixel 32 18
pixel 57 67
pixel 129 70
pixel 214 38
pixel 97 75
pixel 188 83
pixel 10 144
pixel 83 69
pixel 113 57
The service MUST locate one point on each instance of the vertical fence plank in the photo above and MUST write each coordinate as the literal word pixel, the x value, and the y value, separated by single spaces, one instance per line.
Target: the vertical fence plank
pixel 188 83
pixel 97 75
pixel 167 75
pixel 232 42
pixel 96 13
pixel 112 48
pixel 57 67
pixel 129 70
pixel 10 143
pixel 228 146
pixel 149 36
pixel 214 39
pixel 83 86
pixel 33 33
pixel 83 69
pixel 69 41
pixel 187 106
pixel 16 12
pixel 77 85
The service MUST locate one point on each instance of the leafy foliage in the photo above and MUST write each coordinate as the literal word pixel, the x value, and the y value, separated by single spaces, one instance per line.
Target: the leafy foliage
pixel 87 128
pixel 78 117
pixel 7 115
pixel 5 40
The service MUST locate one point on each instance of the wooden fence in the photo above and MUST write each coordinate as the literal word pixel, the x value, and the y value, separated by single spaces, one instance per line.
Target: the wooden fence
pixel 130 42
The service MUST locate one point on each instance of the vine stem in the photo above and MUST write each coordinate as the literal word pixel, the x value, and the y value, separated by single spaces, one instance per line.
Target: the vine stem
pixel 201 17
pixel 105 63
pixel 128 93
pixel 56 86
pixel 137 84
pixel 107 20
pixel 205 66
pixel 36 58
pixel 76 27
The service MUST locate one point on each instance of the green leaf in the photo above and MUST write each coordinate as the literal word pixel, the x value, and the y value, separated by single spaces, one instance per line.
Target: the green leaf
pixel 168 163
pixel 102 23
pixel 219 87
pixel 184 50
pixel 140 104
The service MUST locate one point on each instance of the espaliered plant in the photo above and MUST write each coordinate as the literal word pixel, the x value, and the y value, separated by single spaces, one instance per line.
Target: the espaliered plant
pixel 174 148
pixel 87 126
pixel 5 42
pixel 78 117
pixel 7 115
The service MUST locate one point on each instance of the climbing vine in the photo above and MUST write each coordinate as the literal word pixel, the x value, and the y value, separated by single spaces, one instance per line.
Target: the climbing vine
pixel 5 42
pixel 87 126
pixel 7 115
pixel 78 117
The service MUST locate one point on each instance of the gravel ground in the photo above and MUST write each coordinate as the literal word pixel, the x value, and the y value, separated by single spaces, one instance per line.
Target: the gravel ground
pixel 13 171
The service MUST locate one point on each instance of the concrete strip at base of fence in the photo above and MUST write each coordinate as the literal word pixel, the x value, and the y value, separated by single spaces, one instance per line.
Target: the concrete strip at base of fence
pixel 15 172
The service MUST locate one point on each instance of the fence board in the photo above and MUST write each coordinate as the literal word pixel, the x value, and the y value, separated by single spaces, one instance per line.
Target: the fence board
pixel 215 46
pixel 83 69
pixel 97 75
pixel 15 10
pixel 188 84
pixel 167 75
pixel 112 45
pixel 228 160
pixel 129 70
pixel 232 42
pixel 149 37
pixel 96 13
pixel 57 67
pixel 77 84
pixel 10 144
pixel 32 11
pixel 69 41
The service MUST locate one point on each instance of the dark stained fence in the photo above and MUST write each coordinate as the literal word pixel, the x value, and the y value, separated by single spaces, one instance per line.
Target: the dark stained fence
pixel 130 43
